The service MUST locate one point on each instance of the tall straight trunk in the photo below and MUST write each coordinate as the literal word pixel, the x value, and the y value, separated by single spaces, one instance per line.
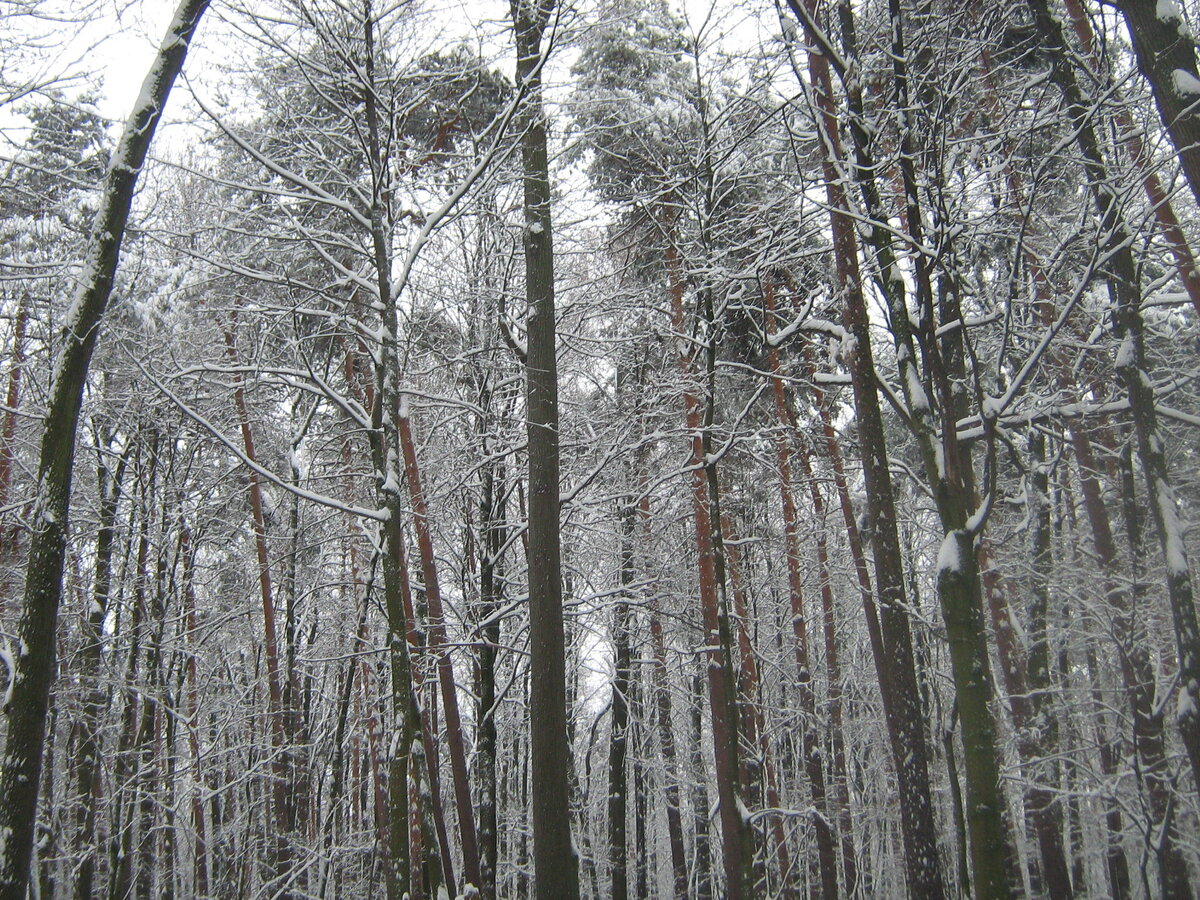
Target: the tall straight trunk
pixel 810 739
pixel 108 487
pixel 492 509
pixel 200 860
pixel 20 771
pixel 122 857
pixel 702 850
pixel 618 778
pixel 736 843
pixel 439 645
pixel 1121 275
pixel 902 707
pixel 148 776
pixel 788 422
pixel 1166 57
pixel 556 863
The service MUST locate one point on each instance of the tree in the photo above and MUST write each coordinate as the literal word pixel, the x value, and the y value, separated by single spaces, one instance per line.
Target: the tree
pixel 1166 57
pixel 26 710
pixel 556 862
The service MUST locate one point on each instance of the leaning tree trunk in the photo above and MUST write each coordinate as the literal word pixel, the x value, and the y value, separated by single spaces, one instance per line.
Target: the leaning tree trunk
pixel 555 861
pixel 1166 57
pixel 1135 146
pixel 22 759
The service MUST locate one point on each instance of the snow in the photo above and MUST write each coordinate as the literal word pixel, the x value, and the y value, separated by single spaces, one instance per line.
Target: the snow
pixel 11 677
pixel 848 348
pixel 949 559
pixel 1186 84
pixel 1167 11
pixel 536 228
pixel 976 521
pixel 1172 533
pixel 1185 704
pixel 391 484
pixel 404 406
pixel 916 391
pixel 992 407
pixel 1125 355
pixel 743 813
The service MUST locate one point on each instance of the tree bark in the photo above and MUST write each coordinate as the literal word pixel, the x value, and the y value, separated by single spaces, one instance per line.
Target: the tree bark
pixel 455 738
pixel 556 862
pixel 1166 57
pixel 906 726
pixel 20 772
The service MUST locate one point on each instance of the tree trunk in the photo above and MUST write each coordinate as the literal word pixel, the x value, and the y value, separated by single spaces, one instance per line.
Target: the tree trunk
pixel 108 486
pixel 20 772
pixel 1164 212
pixel 556 863
pixel 1125 293
pixel 619 714
pixel 810 739
pixel 493 528
pixel 1166 57
pixel 737 851
pixel 905 721
pixel 455 738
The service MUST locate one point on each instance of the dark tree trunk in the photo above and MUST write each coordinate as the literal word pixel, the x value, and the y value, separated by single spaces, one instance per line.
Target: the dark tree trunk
pixel 108 486
pixel 493 529
pixel 1166 57
pixel 20 772
pixel 556 863
pixel 619 716
pixel 1164 212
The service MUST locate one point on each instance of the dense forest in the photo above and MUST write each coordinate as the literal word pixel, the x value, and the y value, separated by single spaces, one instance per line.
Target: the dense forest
pixel 601 449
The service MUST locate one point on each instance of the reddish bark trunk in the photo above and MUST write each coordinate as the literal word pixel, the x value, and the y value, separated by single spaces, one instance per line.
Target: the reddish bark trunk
pixel 439 646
